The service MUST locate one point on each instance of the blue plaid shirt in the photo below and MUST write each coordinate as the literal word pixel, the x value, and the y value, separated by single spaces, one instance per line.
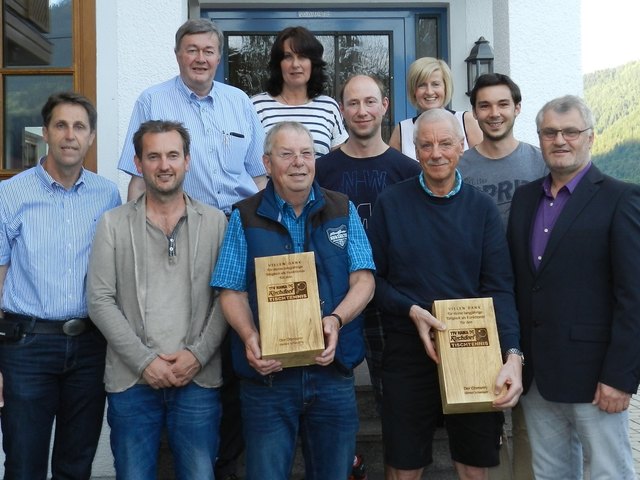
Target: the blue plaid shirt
pixel 230 271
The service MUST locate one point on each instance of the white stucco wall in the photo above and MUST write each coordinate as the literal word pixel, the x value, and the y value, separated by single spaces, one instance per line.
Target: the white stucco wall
pixel 468 21
pixel 478 22
pixel 135 50
pixel 542 56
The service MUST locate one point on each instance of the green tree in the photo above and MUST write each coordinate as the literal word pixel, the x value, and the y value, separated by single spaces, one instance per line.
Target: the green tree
pixel 614 97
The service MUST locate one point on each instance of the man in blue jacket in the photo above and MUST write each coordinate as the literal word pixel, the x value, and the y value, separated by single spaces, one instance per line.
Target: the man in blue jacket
pixel 292 215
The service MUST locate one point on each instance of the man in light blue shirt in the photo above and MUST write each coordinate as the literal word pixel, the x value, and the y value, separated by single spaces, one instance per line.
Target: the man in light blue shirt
pixel 226 134
pixel 51 354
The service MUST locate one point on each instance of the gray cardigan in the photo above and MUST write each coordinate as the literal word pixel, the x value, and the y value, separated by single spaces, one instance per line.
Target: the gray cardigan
pixel 116 293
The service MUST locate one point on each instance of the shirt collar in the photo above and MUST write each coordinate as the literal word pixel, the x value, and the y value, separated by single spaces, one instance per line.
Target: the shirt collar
pixel 570 186
pixel 282 205
pixel 186 91
pixel 457 185
pixel 50 182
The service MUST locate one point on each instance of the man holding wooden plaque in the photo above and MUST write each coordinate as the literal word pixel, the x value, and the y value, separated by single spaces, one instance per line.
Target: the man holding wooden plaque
pixel 264 249
pixel 436 238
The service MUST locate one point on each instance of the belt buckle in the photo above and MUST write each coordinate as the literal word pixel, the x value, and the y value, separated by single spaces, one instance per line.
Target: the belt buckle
pixel 74 327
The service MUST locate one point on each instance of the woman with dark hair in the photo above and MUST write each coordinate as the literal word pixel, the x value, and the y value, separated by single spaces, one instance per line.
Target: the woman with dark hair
pixel 296 81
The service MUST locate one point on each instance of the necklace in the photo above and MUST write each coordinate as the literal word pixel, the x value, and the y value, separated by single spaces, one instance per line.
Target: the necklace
pixel 291 103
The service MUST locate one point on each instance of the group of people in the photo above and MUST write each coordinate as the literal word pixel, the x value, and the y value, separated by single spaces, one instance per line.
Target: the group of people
pixel 142 295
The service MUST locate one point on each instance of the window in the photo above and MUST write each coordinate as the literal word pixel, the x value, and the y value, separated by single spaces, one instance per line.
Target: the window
pixel 427 36
pixel 47 46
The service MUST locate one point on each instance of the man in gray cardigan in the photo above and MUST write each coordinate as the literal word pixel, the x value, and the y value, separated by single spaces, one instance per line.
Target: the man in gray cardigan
pixel 149 294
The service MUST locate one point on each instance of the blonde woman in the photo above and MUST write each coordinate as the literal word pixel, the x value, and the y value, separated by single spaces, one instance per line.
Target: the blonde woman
pixel 430 85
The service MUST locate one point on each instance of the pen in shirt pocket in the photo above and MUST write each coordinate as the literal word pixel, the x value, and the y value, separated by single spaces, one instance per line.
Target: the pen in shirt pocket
pixel 230 134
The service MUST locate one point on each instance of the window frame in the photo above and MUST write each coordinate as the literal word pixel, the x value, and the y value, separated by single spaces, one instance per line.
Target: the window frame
pixel 82 68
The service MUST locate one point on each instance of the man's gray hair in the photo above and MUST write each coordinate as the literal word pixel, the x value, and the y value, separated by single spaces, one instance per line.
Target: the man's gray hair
pixel 199 25
pixel 293 126
pixel 438 115
pixel 565 104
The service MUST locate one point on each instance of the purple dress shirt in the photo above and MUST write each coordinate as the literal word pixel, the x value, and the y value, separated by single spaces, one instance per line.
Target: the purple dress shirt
pixel 549 210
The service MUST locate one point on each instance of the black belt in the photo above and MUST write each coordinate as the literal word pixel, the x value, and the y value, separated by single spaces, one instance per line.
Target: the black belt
pixel 71 327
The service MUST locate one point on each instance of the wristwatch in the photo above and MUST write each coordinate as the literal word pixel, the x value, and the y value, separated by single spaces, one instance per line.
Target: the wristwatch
pixel 514 351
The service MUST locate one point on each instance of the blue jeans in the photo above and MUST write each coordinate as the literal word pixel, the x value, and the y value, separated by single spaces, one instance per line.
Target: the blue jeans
pixel 137 416
pixel 317 403
pixel 47 377
pixel 563 434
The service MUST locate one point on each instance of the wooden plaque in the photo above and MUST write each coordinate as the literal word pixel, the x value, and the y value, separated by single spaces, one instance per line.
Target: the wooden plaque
pixel 470 355
pixel 289 308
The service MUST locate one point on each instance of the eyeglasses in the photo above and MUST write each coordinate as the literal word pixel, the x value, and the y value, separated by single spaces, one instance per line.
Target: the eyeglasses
pixel 207 52
pixel 291 156
pixel 550 134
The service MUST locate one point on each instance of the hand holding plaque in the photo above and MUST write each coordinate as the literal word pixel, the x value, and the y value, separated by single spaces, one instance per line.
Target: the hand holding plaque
pixel 470 356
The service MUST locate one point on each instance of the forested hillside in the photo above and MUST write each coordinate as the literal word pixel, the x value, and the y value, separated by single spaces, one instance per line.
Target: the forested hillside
pixel 614 97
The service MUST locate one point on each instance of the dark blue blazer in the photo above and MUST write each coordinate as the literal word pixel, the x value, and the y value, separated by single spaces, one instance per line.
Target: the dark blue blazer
pixel 580 311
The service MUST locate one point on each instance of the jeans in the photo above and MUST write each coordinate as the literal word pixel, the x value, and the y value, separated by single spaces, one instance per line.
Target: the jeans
pixel 561 434
pixel 137 416
pixel 317 403
pixel 47 377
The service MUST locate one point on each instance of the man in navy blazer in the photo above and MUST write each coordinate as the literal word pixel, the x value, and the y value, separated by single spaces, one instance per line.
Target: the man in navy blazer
pixel 575 245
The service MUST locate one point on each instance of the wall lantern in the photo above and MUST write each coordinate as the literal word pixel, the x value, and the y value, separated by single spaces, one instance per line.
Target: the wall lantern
pixel 479 61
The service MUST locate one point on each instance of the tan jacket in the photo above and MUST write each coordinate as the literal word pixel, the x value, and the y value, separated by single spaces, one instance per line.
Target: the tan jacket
pixel 116 292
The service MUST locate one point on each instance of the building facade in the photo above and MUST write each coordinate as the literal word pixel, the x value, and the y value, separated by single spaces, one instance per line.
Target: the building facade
pixel 537 44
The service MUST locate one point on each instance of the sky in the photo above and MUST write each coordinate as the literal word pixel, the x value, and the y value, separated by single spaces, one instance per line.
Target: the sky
pixel 609 33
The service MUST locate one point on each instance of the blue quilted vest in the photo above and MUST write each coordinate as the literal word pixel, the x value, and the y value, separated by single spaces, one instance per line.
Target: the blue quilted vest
pixel 266 235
